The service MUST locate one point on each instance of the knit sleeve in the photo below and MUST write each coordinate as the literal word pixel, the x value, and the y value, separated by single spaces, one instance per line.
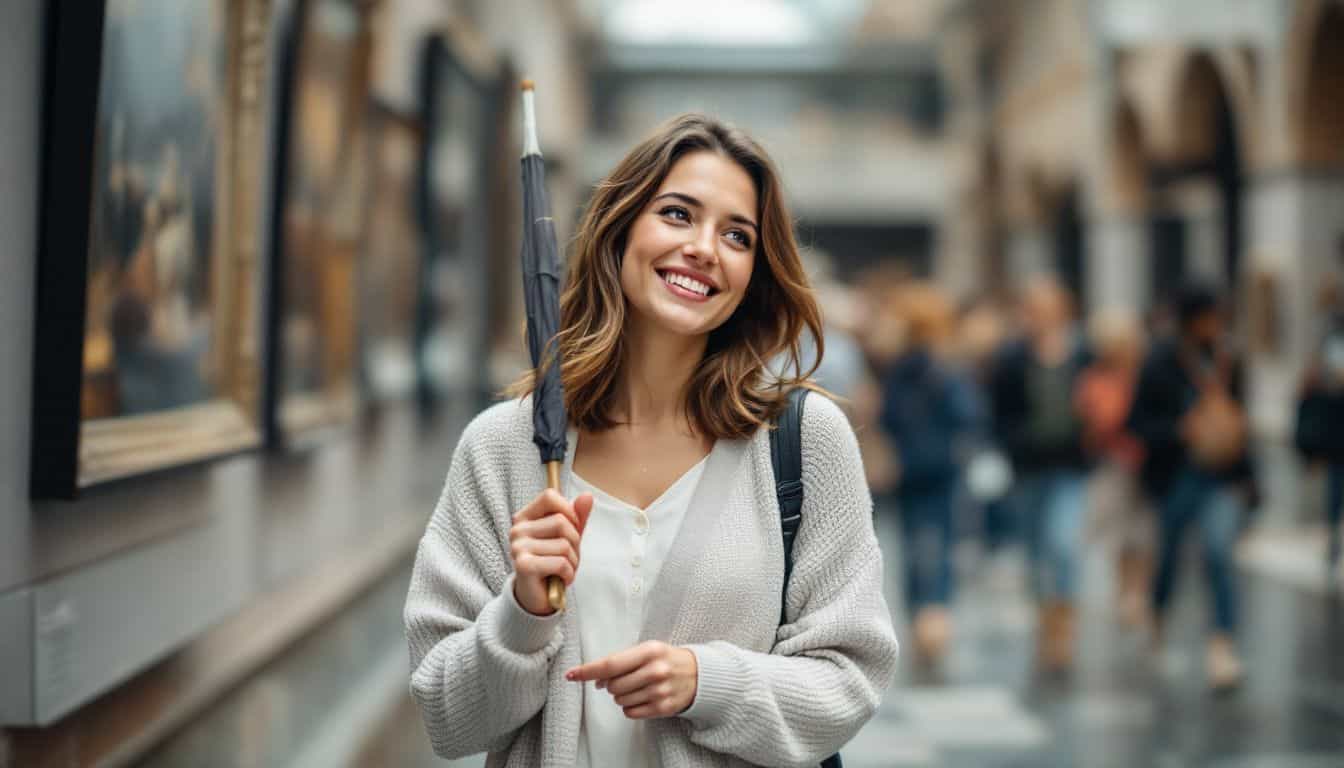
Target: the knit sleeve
pixel 479 661
pixel 836 655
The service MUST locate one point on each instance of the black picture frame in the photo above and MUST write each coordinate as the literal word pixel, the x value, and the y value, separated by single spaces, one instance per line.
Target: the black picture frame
pixel 391 255
pixel 173 329
pixel 462 101
pixel 298 415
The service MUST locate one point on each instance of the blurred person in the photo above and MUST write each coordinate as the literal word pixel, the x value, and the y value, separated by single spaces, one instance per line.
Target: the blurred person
pixel 684 281
pixel 982 330
pixel 882 336
pixel 845 371
pixel 1188 413
pixel 1118 505
pixel 842 371
pixel 1037 423
pixel 1319 431
pixel 926 409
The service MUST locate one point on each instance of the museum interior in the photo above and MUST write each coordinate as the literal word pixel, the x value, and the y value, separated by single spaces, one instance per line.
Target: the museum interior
pixel 262 268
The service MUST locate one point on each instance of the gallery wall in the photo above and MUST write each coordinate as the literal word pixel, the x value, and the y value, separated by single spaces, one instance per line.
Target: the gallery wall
pixel 20 114
pixel 135 570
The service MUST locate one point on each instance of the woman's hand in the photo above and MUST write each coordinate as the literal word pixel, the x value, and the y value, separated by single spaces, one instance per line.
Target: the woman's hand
pixel 652 679
pixel 544 541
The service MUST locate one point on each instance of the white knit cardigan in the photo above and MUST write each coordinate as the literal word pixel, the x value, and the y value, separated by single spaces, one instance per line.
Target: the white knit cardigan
pixel 488 676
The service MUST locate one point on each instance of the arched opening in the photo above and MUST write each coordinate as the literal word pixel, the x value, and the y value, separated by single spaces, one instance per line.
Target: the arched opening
pixel 1322 128
pixel 1196 216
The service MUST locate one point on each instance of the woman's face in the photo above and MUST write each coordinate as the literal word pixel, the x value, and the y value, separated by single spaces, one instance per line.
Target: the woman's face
pixel 690 252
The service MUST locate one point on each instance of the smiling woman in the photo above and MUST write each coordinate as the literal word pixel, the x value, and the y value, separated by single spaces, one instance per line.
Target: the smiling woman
pixel 701 200
pixel 684 282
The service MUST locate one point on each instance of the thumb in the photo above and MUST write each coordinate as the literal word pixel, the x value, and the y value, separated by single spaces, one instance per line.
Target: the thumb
pixel 583 506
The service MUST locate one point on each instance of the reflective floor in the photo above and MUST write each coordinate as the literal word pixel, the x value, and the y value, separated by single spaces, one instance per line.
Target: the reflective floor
pixel 1123 705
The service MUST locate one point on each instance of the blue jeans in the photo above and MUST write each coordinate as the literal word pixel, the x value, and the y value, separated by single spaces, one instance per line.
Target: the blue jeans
pixel 1053 503
pixel 1197 498
pixel 1000 524
pixel 926 526
pixel 1334 510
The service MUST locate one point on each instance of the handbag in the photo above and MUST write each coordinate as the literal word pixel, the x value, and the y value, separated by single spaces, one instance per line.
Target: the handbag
pixel 786 455
pixel 1216 423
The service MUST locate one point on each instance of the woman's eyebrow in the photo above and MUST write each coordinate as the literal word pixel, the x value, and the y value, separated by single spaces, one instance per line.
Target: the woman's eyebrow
pixel 691 201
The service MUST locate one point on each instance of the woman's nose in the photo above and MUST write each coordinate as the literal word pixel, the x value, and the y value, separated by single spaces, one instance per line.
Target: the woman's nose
pixel 701 246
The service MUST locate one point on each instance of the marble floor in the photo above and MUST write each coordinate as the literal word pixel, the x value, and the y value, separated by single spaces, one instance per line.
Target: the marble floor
pixel 1123 705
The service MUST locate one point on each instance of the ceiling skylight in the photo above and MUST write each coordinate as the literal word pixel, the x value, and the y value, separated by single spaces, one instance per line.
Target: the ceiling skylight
pixel 709 23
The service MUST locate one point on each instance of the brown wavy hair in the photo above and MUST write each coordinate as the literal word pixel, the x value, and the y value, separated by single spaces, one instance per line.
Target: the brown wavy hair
pixel 733 391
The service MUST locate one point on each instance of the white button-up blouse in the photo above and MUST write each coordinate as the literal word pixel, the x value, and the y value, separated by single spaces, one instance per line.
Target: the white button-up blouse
pixel 622 552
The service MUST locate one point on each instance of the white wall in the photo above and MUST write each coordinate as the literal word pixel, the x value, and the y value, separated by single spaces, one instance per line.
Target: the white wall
pixel 21 35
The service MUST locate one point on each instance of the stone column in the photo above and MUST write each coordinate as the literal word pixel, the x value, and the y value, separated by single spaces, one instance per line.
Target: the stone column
pixel 1118 262
pixel 1278 248
pixel 1028 252
pixel 1294 222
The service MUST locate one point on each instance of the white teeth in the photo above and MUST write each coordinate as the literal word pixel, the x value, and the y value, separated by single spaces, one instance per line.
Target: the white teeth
pixel 686 282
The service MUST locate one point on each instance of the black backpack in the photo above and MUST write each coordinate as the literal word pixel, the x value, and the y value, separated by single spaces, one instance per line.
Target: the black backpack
pixel 786 454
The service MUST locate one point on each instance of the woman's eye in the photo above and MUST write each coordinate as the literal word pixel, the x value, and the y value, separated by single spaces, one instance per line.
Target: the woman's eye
pixel 675 212
pixel 740 237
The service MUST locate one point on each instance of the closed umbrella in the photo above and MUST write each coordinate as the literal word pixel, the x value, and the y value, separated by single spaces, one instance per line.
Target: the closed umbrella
pixel 541 289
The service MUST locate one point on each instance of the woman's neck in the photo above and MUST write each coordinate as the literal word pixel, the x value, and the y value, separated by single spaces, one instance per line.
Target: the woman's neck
pixel 654 374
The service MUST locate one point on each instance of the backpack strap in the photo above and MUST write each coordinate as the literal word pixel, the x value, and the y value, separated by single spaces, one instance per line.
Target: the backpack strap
pixel 786 454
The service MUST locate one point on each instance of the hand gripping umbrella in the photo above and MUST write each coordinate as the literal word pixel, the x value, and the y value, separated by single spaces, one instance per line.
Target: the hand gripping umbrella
pixel 541 288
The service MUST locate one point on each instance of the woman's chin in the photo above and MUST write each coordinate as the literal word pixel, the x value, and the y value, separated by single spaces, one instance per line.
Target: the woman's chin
pixel 681 322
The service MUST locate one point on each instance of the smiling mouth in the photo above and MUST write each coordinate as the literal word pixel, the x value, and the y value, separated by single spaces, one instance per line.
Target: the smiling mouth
pixel 687 284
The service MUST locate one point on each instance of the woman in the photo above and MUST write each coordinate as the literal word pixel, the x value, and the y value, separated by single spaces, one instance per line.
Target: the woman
pixel 1037 423
pixel 1189 411
pixel 928 411
pixel 684 281
pixel 1119 510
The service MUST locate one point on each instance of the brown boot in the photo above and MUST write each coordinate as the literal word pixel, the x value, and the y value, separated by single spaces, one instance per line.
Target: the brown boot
pixel 1055 636
pixel 933 632
pixel 1221 664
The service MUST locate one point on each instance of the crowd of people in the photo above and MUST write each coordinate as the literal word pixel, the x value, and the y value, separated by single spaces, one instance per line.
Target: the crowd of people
pixel 1038 429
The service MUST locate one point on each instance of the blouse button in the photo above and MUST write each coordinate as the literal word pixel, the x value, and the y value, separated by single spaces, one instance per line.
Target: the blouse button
pixel 636 561
pixel 641 523
pixel 637 586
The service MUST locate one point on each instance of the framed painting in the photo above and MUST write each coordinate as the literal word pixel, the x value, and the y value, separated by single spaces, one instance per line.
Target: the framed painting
pixel 146 348
pixel 319 194
pixel 390 266
pixel 462 101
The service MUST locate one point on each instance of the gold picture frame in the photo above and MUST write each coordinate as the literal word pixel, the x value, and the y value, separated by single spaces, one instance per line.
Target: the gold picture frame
pixel 319 195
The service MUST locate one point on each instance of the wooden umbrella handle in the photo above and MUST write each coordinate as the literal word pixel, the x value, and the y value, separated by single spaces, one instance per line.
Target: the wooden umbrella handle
pixel 555 586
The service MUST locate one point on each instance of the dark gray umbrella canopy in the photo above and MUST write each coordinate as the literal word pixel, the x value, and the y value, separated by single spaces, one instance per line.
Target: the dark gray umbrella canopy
pixel 541 291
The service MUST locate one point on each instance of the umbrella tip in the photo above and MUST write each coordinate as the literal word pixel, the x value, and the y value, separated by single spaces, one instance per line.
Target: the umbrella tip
pixel 528 85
